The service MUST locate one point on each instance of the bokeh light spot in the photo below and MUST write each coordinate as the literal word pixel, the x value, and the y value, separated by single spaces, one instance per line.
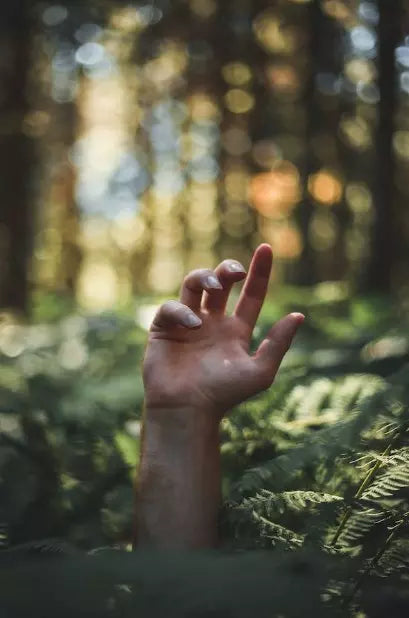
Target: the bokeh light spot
pixel 165 273
pixel 128 19
pixel 404 81
pixel 401 144
pixel 369 12
pixel 203 8
pixel 325 187
pixel 338 10
pixel 275 193
pixel 368 93
pixel 88 32
pixel 203 107
pixel 266 153
pixel 360 70
pixel 323 231
pixel 73 354
pixel 359 198
pixel 363 39
pixel 236 184
pixel 274 35
pixel 402 56
pixel 12 339
pixel 97 288
pixel 283 79
pixel 285 239
pixel 239 101
pixel 236 141
pixel 236 73
pixel 356 132
pixel 54 15
pixel 129 233
pixel 145 315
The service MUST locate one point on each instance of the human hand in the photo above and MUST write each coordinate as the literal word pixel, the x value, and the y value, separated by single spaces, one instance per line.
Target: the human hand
pixel 197 365
pixel 198 357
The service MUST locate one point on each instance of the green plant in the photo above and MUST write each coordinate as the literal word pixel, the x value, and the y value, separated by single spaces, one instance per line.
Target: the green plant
pixel 316 472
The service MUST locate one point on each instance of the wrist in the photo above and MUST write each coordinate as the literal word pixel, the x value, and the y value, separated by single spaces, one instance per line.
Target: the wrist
pixel 179 478
pixel 183 420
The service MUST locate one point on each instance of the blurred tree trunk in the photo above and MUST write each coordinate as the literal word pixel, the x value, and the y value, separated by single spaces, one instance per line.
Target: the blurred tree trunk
pixel 71 254
pixel 16 156
pixel 323 111
pixel 233 41
pixel 306 274
pixel 384 238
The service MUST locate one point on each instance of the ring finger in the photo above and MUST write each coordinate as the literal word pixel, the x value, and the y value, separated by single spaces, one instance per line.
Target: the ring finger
pixel 195 283
pixel 228 273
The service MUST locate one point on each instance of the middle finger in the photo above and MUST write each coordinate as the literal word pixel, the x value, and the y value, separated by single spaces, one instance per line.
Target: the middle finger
pixel 195 283
pixel 228 272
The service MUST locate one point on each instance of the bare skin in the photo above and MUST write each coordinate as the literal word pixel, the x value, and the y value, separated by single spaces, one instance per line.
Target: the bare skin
pixel 197 367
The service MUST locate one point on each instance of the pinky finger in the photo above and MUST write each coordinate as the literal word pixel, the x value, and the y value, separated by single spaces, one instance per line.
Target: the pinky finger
pixel 172 314
pixel 272 350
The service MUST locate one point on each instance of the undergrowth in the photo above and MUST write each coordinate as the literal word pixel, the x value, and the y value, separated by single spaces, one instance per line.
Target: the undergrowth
pixel 316 475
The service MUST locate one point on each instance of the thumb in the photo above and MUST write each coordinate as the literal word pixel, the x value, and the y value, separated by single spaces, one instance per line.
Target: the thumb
pixel 272 349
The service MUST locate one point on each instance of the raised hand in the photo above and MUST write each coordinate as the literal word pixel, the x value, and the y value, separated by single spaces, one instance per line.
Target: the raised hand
pixel 197 366
pixel 199 356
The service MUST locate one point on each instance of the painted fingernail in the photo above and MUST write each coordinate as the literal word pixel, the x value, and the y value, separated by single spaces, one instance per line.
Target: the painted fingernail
pixel 213 283
pixel 235 267
pixel 191 321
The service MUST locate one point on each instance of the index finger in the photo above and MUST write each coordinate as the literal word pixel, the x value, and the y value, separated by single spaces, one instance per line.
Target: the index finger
pixel 255 288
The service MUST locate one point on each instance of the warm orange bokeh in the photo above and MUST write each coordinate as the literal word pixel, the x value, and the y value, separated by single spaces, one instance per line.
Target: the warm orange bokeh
pixel 325 187
pixel 283 78
pixel 285 239
pixel 275 193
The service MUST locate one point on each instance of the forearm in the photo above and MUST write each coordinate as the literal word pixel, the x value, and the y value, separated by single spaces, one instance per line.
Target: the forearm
pixel 178 487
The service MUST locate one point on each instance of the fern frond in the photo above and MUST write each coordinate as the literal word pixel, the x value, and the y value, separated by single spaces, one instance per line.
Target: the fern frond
pixel 372 565
pixel 396 558
pixel 277 504
pixel 277 534
pixel 3 535
pixel 387 484
pixel 358 525
pixel 308 401
pixel 265 508
pixel 398 457
pixel 349 392
pixel 326 444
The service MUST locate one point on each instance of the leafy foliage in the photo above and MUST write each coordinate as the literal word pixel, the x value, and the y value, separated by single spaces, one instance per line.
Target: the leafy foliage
pixel 70 401
pixel 316 472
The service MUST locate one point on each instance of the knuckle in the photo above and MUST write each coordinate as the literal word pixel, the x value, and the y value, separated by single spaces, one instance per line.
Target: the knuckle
pixel 281 343
pixel 202 273
pixel 207 271
pixel 225 264
pixel 196 277
pixel 169 307
pixel 232 266
pixel 193 274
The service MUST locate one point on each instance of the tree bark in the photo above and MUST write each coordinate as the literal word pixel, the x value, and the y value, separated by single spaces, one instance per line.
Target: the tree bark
pixel 16 157
pixel 383 241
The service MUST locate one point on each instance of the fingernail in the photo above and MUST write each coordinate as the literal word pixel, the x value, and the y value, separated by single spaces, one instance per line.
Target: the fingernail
pixel 235 267
pixel 300 316
pixel 213 283
pixel 191 320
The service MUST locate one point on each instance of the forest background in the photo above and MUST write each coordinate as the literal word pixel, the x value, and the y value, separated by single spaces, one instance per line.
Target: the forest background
pixel 141 140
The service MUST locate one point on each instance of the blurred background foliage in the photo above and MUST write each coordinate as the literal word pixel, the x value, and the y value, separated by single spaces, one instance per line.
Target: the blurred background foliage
pixel 141 140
